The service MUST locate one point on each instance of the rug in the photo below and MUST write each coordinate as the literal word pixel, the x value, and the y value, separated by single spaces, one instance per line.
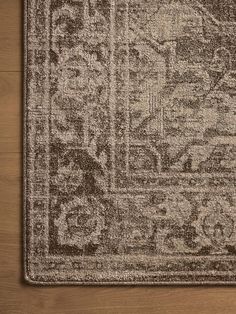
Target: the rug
pixel 129 145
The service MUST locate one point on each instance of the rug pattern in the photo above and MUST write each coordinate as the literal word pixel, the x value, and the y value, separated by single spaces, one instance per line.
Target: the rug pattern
pixel 130 141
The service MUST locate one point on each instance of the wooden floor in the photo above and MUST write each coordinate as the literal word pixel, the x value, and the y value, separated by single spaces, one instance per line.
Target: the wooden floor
pixel 19 298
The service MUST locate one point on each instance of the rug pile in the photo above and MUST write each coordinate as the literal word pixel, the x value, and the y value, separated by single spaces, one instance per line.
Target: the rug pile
pixel 130 142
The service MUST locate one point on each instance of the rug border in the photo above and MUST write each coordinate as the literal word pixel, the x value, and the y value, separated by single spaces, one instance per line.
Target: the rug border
pixel 26 275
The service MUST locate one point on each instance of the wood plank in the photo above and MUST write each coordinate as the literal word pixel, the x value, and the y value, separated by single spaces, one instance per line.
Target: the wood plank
pixel 10 112
pixel 10 35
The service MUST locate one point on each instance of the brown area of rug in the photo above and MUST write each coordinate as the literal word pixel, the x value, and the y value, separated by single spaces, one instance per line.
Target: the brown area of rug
pixel 130 141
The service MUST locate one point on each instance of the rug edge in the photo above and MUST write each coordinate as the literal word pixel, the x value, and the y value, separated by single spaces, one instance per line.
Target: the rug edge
pixel 26 263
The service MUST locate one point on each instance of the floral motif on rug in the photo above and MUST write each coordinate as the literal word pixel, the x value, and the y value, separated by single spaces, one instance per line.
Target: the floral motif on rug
pixel 130 134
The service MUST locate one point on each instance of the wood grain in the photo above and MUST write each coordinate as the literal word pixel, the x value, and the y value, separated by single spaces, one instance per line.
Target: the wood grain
pixel 10 35
pixel 19 298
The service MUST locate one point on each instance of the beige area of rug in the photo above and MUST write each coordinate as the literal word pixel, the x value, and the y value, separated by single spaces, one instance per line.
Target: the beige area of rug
pixel 130 133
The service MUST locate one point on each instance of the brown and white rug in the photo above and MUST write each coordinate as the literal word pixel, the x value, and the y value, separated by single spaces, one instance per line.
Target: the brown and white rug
pixel 130 133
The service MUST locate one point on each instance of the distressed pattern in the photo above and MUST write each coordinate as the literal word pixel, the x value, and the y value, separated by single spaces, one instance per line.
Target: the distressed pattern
pixel 130 133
